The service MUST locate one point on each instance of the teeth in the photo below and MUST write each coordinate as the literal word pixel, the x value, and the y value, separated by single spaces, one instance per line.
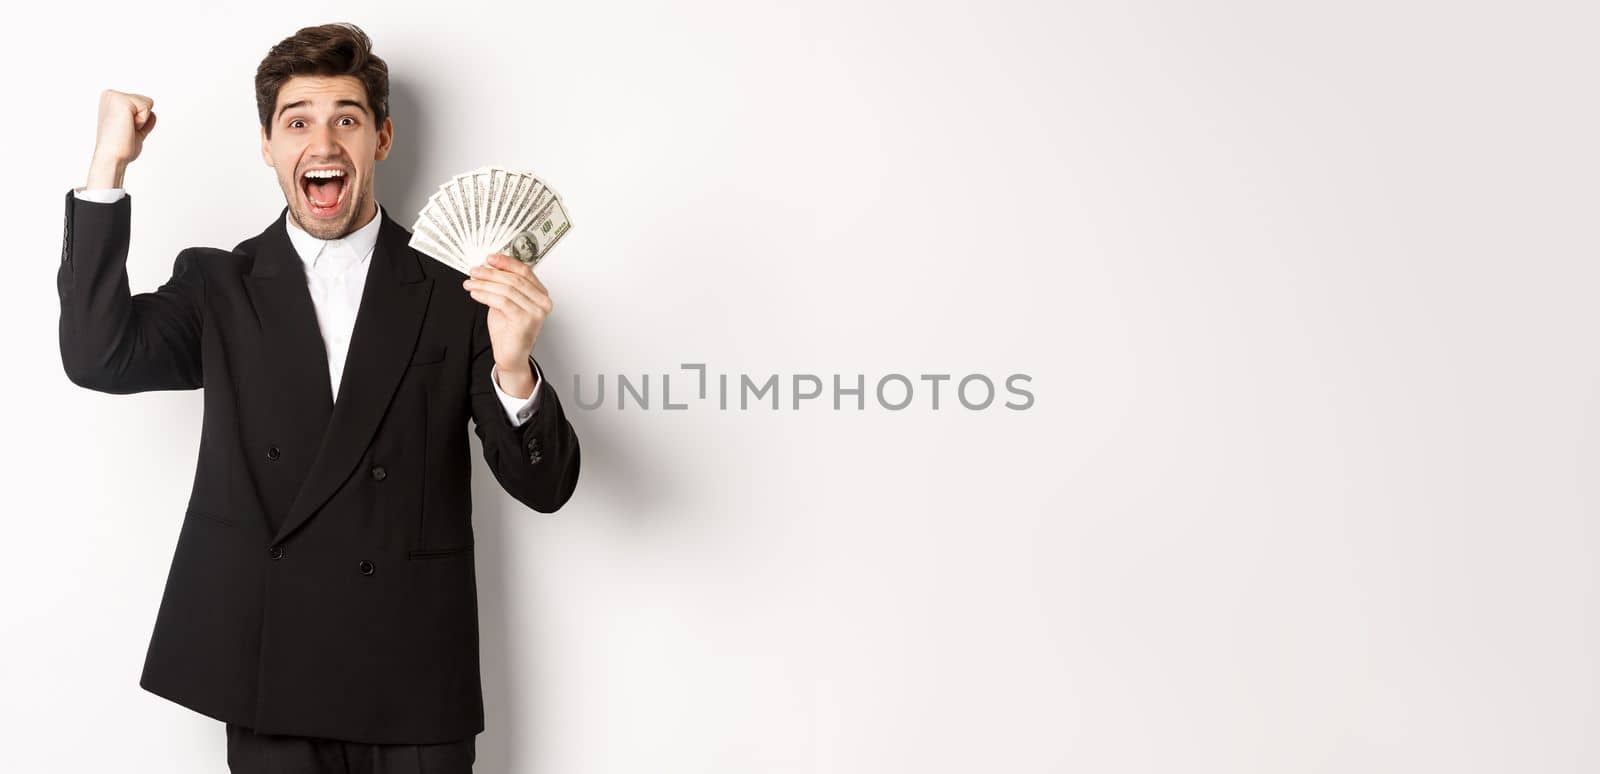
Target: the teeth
pixel 325 173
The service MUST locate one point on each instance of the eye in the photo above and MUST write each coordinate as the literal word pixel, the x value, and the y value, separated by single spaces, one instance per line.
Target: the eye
pixel 293 121
pixel 351 119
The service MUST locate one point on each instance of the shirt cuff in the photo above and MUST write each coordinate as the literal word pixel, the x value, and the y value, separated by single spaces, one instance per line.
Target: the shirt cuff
pixel 101 195
pixel 518 410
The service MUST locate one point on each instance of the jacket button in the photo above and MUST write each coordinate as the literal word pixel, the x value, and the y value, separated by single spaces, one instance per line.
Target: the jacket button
pixel 276 552
pixel 273 453
pixel 366 567
pixel 378 473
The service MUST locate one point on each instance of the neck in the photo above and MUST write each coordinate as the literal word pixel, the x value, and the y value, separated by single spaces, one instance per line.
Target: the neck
pixel 371 211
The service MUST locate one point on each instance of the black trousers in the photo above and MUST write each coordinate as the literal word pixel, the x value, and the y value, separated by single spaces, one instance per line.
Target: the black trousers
pixel 253 753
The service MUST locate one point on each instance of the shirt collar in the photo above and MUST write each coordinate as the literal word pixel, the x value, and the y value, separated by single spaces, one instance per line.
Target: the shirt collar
pixel 359 242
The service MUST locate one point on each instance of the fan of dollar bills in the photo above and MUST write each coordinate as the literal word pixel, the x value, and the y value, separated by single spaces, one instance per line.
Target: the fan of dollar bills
pixel 490 210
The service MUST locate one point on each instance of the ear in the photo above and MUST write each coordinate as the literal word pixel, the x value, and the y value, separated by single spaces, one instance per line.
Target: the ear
pixel 266 153
pixel 385 139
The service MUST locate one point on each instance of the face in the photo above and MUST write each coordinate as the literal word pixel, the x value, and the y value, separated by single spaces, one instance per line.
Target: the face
pixel 323 123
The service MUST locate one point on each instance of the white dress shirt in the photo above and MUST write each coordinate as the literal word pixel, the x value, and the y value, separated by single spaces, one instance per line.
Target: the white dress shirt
pixel 336 273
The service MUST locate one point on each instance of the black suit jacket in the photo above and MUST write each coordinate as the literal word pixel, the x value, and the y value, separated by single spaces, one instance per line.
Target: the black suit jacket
pixel 323 580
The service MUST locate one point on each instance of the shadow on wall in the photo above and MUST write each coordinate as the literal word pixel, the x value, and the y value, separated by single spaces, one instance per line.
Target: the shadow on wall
pixel 399 178
pixel 612 473
pixel 613 480
pixel 612 468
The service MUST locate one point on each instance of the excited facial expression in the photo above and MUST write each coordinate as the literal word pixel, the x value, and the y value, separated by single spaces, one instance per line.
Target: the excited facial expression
pixel 325 147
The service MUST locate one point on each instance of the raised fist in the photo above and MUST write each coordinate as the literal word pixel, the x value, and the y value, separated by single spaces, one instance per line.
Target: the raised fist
pixel 125 120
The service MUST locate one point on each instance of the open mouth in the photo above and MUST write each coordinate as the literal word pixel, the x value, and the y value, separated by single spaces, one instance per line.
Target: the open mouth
pixel 324 189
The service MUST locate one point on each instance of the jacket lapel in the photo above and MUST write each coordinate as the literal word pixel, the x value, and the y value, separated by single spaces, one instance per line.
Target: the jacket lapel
pixel 394 301
pixel 294 365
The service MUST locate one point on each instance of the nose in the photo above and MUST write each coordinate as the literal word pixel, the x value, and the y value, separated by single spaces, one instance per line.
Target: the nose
pixel 322 144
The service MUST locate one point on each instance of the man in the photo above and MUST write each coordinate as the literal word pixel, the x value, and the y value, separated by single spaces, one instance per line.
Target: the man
pixel 321 599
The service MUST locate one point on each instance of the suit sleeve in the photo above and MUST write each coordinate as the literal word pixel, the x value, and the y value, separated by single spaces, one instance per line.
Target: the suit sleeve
pixel 537 462
pixel 518 409
pixel 112 341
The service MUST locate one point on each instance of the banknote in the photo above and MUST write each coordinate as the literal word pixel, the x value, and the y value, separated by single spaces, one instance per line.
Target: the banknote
pixel 490 209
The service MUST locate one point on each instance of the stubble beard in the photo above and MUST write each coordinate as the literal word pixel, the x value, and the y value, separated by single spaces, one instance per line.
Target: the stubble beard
pixel 355 204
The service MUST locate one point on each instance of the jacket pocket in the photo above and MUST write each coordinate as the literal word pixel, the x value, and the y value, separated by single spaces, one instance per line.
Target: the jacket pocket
pixel 425 355
pixel 211 516
pixel 437 553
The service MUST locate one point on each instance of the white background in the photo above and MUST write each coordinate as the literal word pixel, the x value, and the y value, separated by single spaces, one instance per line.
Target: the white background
pixel 1305 292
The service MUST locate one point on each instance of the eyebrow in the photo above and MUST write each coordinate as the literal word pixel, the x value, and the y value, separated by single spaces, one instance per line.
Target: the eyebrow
pixel 340 103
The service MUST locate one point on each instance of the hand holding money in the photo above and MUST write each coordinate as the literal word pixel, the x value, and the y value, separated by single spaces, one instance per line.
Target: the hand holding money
pixel 125 120
pixel 518 305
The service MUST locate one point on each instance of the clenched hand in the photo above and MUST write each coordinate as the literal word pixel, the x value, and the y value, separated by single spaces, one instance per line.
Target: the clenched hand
pixel 518 305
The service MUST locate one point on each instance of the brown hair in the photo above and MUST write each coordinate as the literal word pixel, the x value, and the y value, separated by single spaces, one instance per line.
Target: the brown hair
pixel 328 49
